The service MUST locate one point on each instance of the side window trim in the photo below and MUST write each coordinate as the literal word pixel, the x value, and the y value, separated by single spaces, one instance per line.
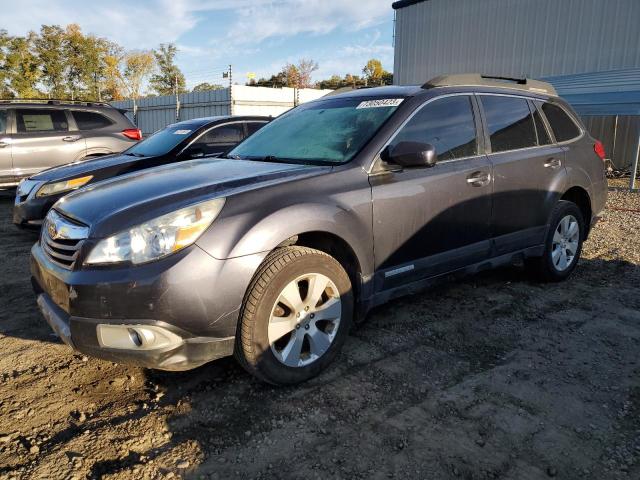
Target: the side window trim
pixel 377 159
pixel 537 105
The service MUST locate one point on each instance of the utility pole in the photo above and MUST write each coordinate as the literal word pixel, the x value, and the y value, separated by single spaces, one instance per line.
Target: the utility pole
pixel 175 89
pixel 230 75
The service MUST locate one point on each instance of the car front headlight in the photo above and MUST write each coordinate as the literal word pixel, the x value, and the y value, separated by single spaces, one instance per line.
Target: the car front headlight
pixel 157 238
pixel 64 186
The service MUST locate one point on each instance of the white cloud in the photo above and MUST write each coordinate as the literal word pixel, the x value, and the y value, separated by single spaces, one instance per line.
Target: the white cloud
pixel 134 25
pixel 263 20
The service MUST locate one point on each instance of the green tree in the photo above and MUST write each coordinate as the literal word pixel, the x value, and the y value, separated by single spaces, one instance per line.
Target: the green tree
pixel 23 67
pixel 202 87
pixel 137 66
pixel 373 71
pixel 4 67
pixel 49 47
pixel 169 79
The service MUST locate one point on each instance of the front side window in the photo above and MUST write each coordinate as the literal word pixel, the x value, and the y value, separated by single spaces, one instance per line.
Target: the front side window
pixel 330 131
pixel 253 127
pixel 90 120
pixel 219 139
pixel 447 124
pixel 163 141
pixel 563 127
pixel 41 120
pixel 3 121
pixel 509 122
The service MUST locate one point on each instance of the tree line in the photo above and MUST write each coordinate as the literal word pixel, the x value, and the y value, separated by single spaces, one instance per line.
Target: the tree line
pixel 66 63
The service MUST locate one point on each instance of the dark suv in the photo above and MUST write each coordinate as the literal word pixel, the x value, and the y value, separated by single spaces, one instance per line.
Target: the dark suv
pixel 195 138
pixel 39 134
pixel 333 208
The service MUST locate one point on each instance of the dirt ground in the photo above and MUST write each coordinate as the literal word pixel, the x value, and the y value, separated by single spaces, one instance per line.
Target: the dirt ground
pixel 493 376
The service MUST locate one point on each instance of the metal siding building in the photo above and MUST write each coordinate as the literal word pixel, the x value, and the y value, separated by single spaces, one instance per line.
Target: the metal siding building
pixel 523 38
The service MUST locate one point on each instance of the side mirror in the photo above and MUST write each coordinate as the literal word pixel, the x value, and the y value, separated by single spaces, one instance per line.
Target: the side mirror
pixel 411 154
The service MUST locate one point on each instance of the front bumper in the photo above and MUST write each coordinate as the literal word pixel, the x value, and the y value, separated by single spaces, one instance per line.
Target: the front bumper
pixel 29 212
pixel 189 294
pixel 80 334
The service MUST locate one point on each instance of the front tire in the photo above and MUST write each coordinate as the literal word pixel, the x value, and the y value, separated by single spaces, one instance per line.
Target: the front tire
pixel 295 316
pixel 563 244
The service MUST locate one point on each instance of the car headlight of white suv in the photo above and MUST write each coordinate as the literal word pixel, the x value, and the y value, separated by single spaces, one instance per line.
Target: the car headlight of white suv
pixel 157 238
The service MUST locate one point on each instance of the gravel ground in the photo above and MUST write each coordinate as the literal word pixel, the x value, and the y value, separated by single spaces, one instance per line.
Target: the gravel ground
pixel 493 376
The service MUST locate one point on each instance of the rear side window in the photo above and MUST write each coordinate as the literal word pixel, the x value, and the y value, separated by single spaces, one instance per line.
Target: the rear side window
pixel 541 129
pixel 447 124
pixel 90 120
pixel 40 120
pixel 253 127
pixel 563 127
pixel 3 121
pixel 509 122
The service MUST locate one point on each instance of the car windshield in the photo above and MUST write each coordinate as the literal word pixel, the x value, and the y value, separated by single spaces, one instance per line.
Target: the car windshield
pixel 328 131
pixel 163 141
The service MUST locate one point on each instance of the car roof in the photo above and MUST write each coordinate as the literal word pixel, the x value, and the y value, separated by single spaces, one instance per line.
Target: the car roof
pixel 202 121
pixel 384 91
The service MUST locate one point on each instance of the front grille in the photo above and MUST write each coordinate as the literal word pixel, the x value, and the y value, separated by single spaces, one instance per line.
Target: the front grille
pixel 61 239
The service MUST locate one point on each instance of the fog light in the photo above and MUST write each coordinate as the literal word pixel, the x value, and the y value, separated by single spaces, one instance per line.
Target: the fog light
pixel 136 337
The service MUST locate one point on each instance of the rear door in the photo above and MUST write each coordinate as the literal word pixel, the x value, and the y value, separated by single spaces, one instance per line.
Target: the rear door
pixel 428 221
pixel 528 170
pixel 6 166
pixel 43 139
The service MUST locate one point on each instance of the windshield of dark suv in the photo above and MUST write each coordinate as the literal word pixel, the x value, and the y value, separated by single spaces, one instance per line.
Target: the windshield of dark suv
pixel 328 131
pixel 163 141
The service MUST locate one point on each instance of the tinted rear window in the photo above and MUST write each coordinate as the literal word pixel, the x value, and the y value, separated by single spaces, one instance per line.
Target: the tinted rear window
pixel 509 122
pixel 563 127
pixel 253 127
pixel 3 121
pixel 41 120
pixel 90 120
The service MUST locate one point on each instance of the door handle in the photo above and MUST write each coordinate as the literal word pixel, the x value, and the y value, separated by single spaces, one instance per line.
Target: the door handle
pixel 553 163
pixel 479 179
pixel 71 138
pixel 3 144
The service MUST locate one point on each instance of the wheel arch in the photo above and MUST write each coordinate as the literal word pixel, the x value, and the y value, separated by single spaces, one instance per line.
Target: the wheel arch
pixel 581 198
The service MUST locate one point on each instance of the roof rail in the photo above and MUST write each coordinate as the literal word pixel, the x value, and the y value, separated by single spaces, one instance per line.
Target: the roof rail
pixel 54 101
pixel 478 80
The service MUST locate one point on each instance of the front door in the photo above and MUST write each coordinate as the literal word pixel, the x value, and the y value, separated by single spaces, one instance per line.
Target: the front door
pixel 528 168
pixel 43 140
pixel 6 167
pixel 428 221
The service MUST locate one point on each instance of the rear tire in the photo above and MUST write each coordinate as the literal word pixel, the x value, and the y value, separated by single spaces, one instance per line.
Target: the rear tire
pixel 295 316
pixel 563 244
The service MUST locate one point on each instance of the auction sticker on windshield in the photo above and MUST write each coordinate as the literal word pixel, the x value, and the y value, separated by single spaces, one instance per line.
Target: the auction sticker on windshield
pixel 381 102
pixel 181 132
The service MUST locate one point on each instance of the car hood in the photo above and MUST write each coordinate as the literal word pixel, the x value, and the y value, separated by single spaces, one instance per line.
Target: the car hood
pixel 116 204
pixel 85 167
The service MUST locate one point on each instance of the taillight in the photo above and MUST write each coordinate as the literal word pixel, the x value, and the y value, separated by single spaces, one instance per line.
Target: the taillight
pixel 133 133
pixel 599 149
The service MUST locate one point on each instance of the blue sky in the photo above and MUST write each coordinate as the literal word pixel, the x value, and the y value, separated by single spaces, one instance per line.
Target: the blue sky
pixel 254 36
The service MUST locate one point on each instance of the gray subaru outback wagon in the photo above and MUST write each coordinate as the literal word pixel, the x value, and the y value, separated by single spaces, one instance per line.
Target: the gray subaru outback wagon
pixel 40 134
pixel 337 206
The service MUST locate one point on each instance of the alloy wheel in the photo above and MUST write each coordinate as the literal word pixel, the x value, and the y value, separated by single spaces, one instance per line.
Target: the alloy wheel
pixel 566 239
pixel 304 320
